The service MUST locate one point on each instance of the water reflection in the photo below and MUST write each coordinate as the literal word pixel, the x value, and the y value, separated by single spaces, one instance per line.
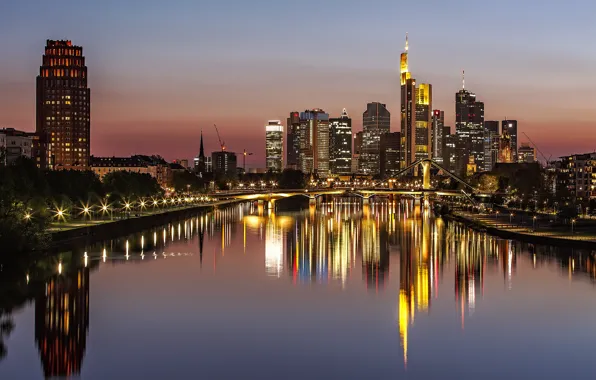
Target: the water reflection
pixel 333 243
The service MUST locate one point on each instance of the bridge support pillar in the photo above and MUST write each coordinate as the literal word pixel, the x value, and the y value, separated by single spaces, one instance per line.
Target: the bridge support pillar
pixel 426 184
pixel 312 201
pixel 365 200
pixel 271 204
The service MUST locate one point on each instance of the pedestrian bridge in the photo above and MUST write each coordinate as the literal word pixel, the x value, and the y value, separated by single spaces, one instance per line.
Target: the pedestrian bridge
pixel 375 189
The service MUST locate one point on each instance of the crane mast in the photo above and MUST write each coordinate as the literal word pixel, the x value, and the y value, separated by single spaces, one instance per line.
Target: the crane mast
pixel 221 143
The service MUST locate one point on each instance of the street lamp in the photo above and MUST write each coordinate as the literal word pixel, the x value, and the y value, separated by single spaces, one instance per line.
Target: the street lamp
pixel 572 224
pixel 510 218
pixel 534 223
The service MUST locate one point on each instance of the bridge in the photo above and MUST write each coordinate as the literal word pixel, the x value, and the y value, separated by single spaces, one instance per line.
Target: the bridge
pixel 375 189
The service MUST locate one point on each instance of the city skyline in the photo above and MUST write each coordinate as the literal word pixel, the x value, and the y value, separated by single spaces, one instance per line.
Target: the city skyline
pixel 215 75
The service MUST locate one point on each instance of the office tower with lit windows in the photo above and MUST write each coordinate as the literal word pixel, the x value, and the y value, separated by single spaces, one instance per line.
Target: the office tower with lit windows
pixel 408 110
pixel 313 134
pixel 510 126
pixel 357 151
pixel 491 144
pixel 274 142
pixel 422 137
pixel 224 163
pixel 292 140
pixel 63 108
pixel 376 121
pixel 469 128
pixel 340 144
pixel 438 122
pixel 390 147
pixel 449 151
pixel 526 154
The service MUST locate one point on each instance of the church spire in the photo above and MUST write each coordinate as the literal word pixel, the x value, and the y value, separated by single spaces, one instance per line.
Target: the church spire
pixel 463 79
pixel 201 150
pixel 406 41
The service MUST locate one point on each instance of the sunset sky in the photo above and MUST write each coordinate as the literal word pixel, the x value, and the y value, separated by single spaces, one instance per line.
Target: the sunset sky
pixel 160 71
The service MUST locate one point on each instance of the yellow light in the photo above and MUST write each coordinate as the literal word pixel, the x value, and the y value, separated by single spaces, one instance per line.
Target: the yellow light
pixel 27 216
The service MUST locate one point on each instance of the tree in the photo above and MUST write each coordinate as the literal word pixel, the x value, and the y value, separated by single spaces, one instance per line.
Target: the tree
pixel 131 185
pixel 183 181
pixel 74 184
pixel 292 179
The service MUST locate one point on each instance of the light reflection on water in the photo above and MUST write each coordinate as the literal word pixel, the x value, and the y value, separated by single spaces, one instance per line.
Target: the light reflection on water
pixel 392 249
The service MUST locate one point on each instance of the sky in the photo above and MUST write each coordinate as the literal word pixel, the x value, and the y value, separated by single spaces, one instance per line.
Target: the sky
pixel 162 71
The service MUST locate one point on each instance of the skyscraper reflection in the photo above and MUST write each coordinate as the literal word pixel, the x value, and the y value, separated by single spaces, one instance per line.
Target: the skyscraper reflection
pixel 62 322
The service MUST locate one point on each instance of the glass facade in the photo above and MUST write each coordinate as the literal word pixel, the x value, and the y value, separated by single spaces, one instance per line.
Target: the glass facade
pixel 274 135
pixel 340 145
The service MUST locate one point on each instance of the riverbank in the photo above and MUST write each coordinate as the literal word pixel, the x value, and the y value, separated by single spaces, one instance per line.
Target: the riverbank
pixel 502 228
pixel 91 233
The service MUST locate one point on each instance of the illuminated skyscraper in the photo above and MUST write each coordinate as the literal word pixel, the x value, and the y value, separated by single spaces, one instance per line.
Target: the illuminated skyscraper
pixel 491 144
pixel 292 140
pixel 376 121
pixel 408 109
pixel 422 137
pixel 438 122
pixel 469 128
pixel 340 144
pixel 390 147
pixel 526 153
pixel 510 126
pixel 274 142
pixel 63 108
pixel 357 152
pixel 313 135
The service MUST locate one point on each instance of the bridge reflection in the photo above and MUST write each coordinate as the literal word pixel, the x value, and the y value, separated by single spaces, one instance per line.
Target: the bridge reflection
pixel 342 242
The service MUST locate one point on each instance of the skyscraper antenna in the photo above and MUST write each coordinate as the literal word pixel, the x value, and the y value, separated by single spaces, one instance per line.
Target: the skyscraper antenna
pixel 463 79
pixel 406 41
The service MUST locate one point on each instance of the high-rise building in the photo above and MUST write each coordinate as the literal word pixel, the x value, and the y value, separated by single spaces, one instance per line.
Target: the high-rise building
pixel 505 156
pixel 511 127
pixel 63 107
pixel 292 140
pixel 376 121
pixel 314 142
pixel 469 128
pixel 390 147
pixel 274 142
pixel 526 153
pixel 340 144
pixel 438 122
pixel 449 149
pixel 491 144
pixel 224 163
pixel 357 151
pixel 408 110
pixel 422 138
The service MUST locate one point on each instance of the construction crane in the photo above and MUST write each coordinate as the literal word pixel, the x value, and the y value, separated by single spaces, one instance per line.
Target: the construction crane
pixel 221 143
pixel 244 160
pixel 535 146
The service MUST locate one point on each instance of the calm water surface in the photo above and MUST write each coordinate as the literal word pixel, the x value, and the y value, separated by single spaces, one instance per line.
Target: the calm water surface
pixel 347 291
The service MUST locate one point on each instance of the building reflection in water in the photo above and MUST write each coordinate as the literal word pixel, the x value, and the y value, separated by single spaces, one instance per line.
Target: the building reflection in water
pixel 319 245
pixel 62 323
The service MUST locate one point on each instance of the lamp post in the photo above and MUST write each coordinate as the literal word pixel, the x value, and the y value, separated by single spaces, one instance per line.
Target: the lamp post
pixel 534 223
pixel 572 224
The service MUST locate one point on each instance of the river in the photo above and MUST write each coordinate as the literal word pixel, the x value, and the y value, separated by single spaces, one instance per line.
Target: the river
pixel 343 291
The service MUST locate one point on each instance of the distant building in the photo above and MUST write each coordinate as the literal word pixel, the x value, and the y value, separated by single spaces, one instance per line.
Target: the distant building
pixel 577 175
pixel 438 123
pixel 224 163
pixel 63 108
pixel 155 166
pixel 340 144
pixel 491 144
pixel 357 151
pixel 14 144
pixel 505 154
pixel 390 148
pixel 449 149
pixel 314 142
pixel 424 122
pixel 274 143
pixel 293 140
pixel 469 128
pixel 408 110
pixel 510 126
pixel 182 162
pixel 526 153
pixel 376 121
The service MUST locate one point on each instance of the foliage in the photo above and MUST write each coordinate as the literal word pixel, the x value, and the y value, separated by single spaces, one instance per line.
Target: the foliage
pixel 183 181
pixel 292 179
pixel 74 184
pixel 130 185
pixel 488 183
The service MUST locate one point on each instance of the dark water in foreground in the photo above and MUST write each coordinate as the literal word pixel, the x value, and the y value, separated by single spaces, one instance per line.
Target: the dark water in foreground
pixel 343 292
